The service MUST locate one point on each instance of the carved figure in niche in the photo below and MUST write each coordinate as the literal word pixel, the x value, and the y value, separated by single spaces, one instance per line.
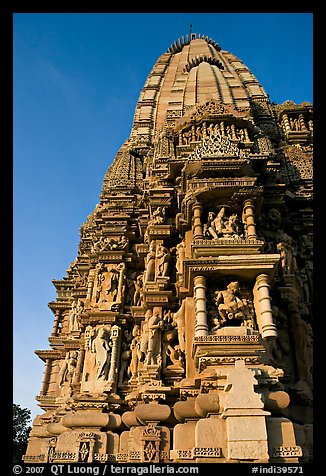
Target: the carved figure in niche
pixel 100 281
pixel 231 226
pixel 288 261
pixel 123 243
pixel 102 347
pixel 97 245
pixel 186 137
pixel 305 295
pixel 130 281
pixel 241 135
pixel 180 253
pixel 220 225
pixel 215 224
pixel 199 134
pixel 217 129
pixel 81 280
pixel 135 353
pixel 155 326
pixel 229 305
pixel 150 263
pixel 145 336
pixel 125 357
pixel 113 285
pixel 162 260
pixel 295 124
pixel 171 348
pixel 158 217
pixel 311 125
pixel 114 245
pixel 110 245
pixel 228 131
pixel 68 368
pixel 76 309
pixel 138 291
pixel 210 130
pixel 179 320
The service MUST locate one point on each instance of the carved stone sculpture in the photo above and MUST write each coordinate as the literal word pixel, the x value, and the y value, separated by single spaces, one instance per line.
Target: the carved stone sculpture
pixel 101 346
pixel 155 326
pixel 230 306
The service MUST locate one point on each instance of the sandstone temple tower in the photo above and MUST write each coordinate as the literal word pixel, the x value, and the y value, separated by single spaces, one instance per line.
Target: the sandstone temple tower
pixel 183 329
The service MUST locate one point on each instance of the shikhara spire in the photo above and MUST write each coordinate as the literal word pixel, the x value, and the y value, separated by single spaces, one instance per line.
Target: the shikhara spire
pixel 182 330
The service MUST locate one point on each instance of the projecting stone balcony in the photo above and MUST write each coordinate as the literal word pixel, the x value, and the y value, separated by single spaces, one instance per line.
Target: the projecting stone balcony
pixel 155 293
pixel 226 246
pixel 246 266
pixel 226 346
pixel 159 232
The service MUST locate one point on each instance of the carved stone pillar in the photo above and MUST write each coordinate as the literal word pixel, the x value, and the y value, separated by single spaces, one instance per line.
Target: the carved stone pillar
pixel 56 322
pixel 233 132
pixel 204 130
pixel 302 123
pixel 46 377
pixel 193 133
pixel 197 225
pixel 286 123
pixel 121 269
pixel 90 284
pixel 201 326
pixel 116 343
pixel 249 219
pixel 263 308
pixel 246 135
pixel 79 366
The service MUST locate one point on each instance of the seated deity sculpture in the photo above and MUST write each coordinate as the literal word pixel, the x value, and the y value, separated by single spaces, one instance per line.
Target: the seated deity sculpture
pixel 229 305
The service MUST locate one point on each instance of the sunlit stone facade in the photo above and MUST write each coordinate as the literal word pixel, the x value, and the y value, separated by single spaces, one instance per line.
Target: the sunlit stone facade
pixel 182 330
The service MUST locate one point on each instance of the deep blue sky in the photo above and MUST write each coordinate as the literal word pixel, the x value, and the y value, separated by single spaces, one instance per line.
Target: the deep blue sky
pixel 77 79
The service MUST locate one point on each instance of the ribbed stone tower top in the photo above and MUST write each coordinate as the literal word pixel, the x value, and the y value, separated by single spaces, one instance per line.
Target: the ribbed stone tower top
pixel 191 72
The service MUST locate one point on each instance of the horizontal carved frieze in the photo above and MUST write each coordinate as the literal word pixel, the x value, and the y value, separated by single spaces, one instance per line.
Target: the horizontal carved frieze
pixel 209 452
pixel 287 451
pixel 216 338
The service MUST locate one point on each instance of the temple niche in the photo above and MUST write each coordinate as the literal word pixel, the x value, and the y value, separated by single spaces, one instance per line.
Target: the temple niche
pixel 183 329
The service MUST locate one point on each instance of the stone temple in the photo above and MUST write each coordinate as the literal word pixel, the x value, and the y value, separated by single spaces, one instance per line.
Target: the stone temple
pixel 183 329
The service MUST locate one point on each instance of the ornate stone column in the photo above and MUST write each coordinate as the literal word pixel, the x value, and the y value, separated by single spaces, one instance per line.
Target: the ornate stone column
pixel 201 327
pixel 263 308
pixel 115 356
pixel 234 135
pixel 90 284
pixel 197 225
pixel 56 323
pixel 79 366
pixel 46 377
pixel 246 135
pixel 302 122
pixel 249 219
pixel 193 133
pixel 286 122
